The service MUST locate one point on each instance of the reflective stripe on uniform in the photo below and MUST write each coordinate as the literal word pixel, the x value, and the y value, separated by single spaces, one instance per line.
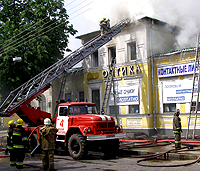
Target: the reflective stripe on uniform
pixel 18 146
pixel 177 141
pixel 24 138
pixel 177 132
pixel 9 147
pixel 16 133
pixel 19 163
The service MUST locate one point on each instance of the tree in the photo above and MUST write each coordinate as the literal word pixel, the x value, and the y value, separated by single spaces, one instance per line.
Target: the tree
pixel 37 31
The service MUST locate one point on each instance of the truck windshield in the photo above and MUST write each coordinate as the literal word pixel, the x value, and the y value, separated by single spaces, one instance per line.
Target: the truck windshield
pixel 84 109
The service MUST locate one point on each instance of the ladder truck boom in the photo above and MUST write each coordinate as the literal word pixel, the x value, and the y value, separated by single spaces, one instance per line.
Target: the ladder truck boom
pixel 28 91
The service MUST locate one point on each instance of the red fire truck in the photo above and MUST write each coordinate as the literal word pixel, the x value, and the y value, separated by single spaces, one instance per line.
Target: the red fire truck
pixel 80 129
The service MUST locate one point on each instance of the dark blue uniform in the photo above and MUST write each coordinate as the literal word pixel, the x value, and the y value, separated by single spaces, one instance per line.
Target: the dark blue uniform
pixel 19 143
pixel 10 146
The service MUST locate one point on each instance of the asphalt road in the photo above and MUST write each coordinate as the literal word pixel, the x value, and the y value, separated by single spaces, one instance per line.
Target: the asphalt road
pixel 96 162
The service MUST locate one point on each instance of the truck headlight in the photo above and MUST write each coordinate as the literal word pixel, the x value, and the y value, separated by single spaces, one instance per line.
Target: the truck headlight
pixel 117 128
pixel 88 130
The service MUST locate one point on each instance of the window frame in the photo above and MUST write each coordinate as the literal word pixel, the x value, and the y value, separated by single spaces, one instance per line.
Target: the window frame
pixel 110 53
pixel 95 59
pixel 129 52
pixel 170 106
pixel 136 107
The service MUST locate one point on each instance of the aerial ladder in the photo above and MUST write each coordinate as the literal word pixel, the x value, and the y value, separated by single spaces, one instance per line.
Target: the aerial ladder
pixel 195 91
pixel 18 100
pixel 109 84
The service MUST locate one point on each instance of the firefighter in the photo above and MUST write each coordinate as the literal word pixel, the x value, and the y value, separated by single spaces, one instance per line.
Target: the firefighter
pixel 19 143
pixel 10 142
pixel 47 141
pixel 104 26
pixel 177 129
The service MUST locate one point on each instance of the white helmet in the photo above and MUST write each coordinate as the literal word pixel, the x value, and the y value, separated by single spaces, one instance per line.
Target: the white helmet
pixel 47 121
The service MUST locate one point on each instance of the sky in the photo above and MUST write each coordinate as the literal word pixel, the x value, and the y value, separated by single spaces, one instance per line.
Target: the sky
pixel 86 14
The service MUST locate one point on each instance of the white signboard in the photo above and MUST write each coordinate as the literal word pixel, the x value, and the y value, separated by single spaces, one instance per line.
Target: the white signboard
pixel 134 122
pixel 126 95
pixel 177 92
pixel 176 70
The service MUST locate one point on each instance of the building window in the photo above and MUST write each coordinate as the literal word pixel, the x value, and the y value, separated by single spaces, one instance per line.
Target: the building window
pixel 134 109
pixel 68 96
pixel 112 54
pixel 132 51
pixel 81 96
pixel 194 104
pixel 95 59
pixel 114 110
pixel 169 107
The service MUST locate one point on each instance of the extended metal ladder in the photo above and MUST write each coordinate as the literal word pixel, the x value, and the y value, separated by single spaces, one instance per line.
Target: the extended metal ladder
pixel 109 83
pixel 195 89
pixel 41 82
pixel 62 85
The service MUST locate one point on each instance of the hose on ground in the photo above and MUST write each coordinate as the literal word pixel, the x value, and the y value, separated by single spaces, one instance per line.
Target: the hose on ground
pixel 171 165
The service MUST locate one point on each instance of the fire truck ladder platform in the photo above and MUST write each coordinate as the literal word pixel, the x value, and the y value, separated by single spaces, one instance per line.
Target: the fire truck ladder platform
pixel 41 82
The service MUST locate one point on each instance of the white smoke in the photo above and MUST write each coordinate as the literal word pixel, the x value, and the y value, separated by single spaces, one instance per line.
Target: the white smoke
pixel 184 14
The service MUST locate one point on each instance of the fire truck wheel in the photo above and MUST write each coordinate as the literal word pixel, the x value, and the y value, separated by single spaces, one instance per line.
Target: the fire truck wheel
pixel 77 146
pixel 32 143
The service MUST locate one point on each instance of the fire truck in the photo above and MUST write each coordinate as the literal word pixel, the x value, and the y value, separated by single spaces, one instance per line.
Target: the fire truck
pixel 80 127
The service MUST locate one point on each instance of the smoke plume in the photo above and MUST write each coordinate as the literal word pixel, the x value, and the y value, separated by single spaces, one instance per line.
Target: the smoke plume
pixel 184 14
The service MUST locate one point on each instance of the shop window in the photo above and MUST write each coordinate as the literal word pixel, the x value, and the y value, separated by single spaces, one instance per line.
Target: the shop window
pixel 95 59
pixel 132 51
pixel 134 109
pixel 170 107
pixel 114 110
pixel 194 104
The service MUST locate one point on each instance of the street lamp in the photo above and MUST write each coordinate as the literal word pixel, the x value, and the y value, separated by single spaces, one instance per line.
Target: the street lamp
pixel 17 59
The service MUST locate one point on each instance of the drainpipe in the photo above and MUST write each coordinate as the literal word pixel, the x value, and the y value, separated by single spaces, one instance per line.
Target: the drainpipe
pixel 152 77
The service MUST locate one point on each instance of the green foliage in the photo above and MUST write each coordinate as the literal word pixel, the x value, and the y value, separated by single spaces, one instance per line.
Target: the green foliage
pixel 37 31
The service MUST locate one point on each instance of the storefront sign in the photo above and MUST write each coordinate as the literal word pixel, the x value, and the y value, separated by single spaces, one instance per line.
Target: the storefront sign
pixel 124 71
pixel 125 95
pixel 176 70
pixel 177 92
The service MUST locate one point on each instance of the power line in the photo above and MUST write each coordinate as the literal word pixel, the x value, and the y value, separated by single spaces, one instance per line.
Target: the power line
pixel 45 27
pixel 80 13
pixel 81 8
pixel 26 30
pixel 70 2
pixel 27 35
pixel 77 5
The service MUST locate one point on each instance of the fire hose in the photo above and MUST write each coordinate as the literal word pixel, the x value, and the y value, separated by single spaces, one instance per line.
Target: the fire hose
pixel 171 165
pixel 189 144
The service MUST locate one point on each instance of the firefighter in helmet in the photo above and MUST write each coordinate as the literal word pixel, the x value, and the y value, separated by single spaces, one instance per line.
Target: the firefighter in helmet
pixel 104 26
pixel 47 141
pixel 10 142
pixel 19 143
pixel 177 129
